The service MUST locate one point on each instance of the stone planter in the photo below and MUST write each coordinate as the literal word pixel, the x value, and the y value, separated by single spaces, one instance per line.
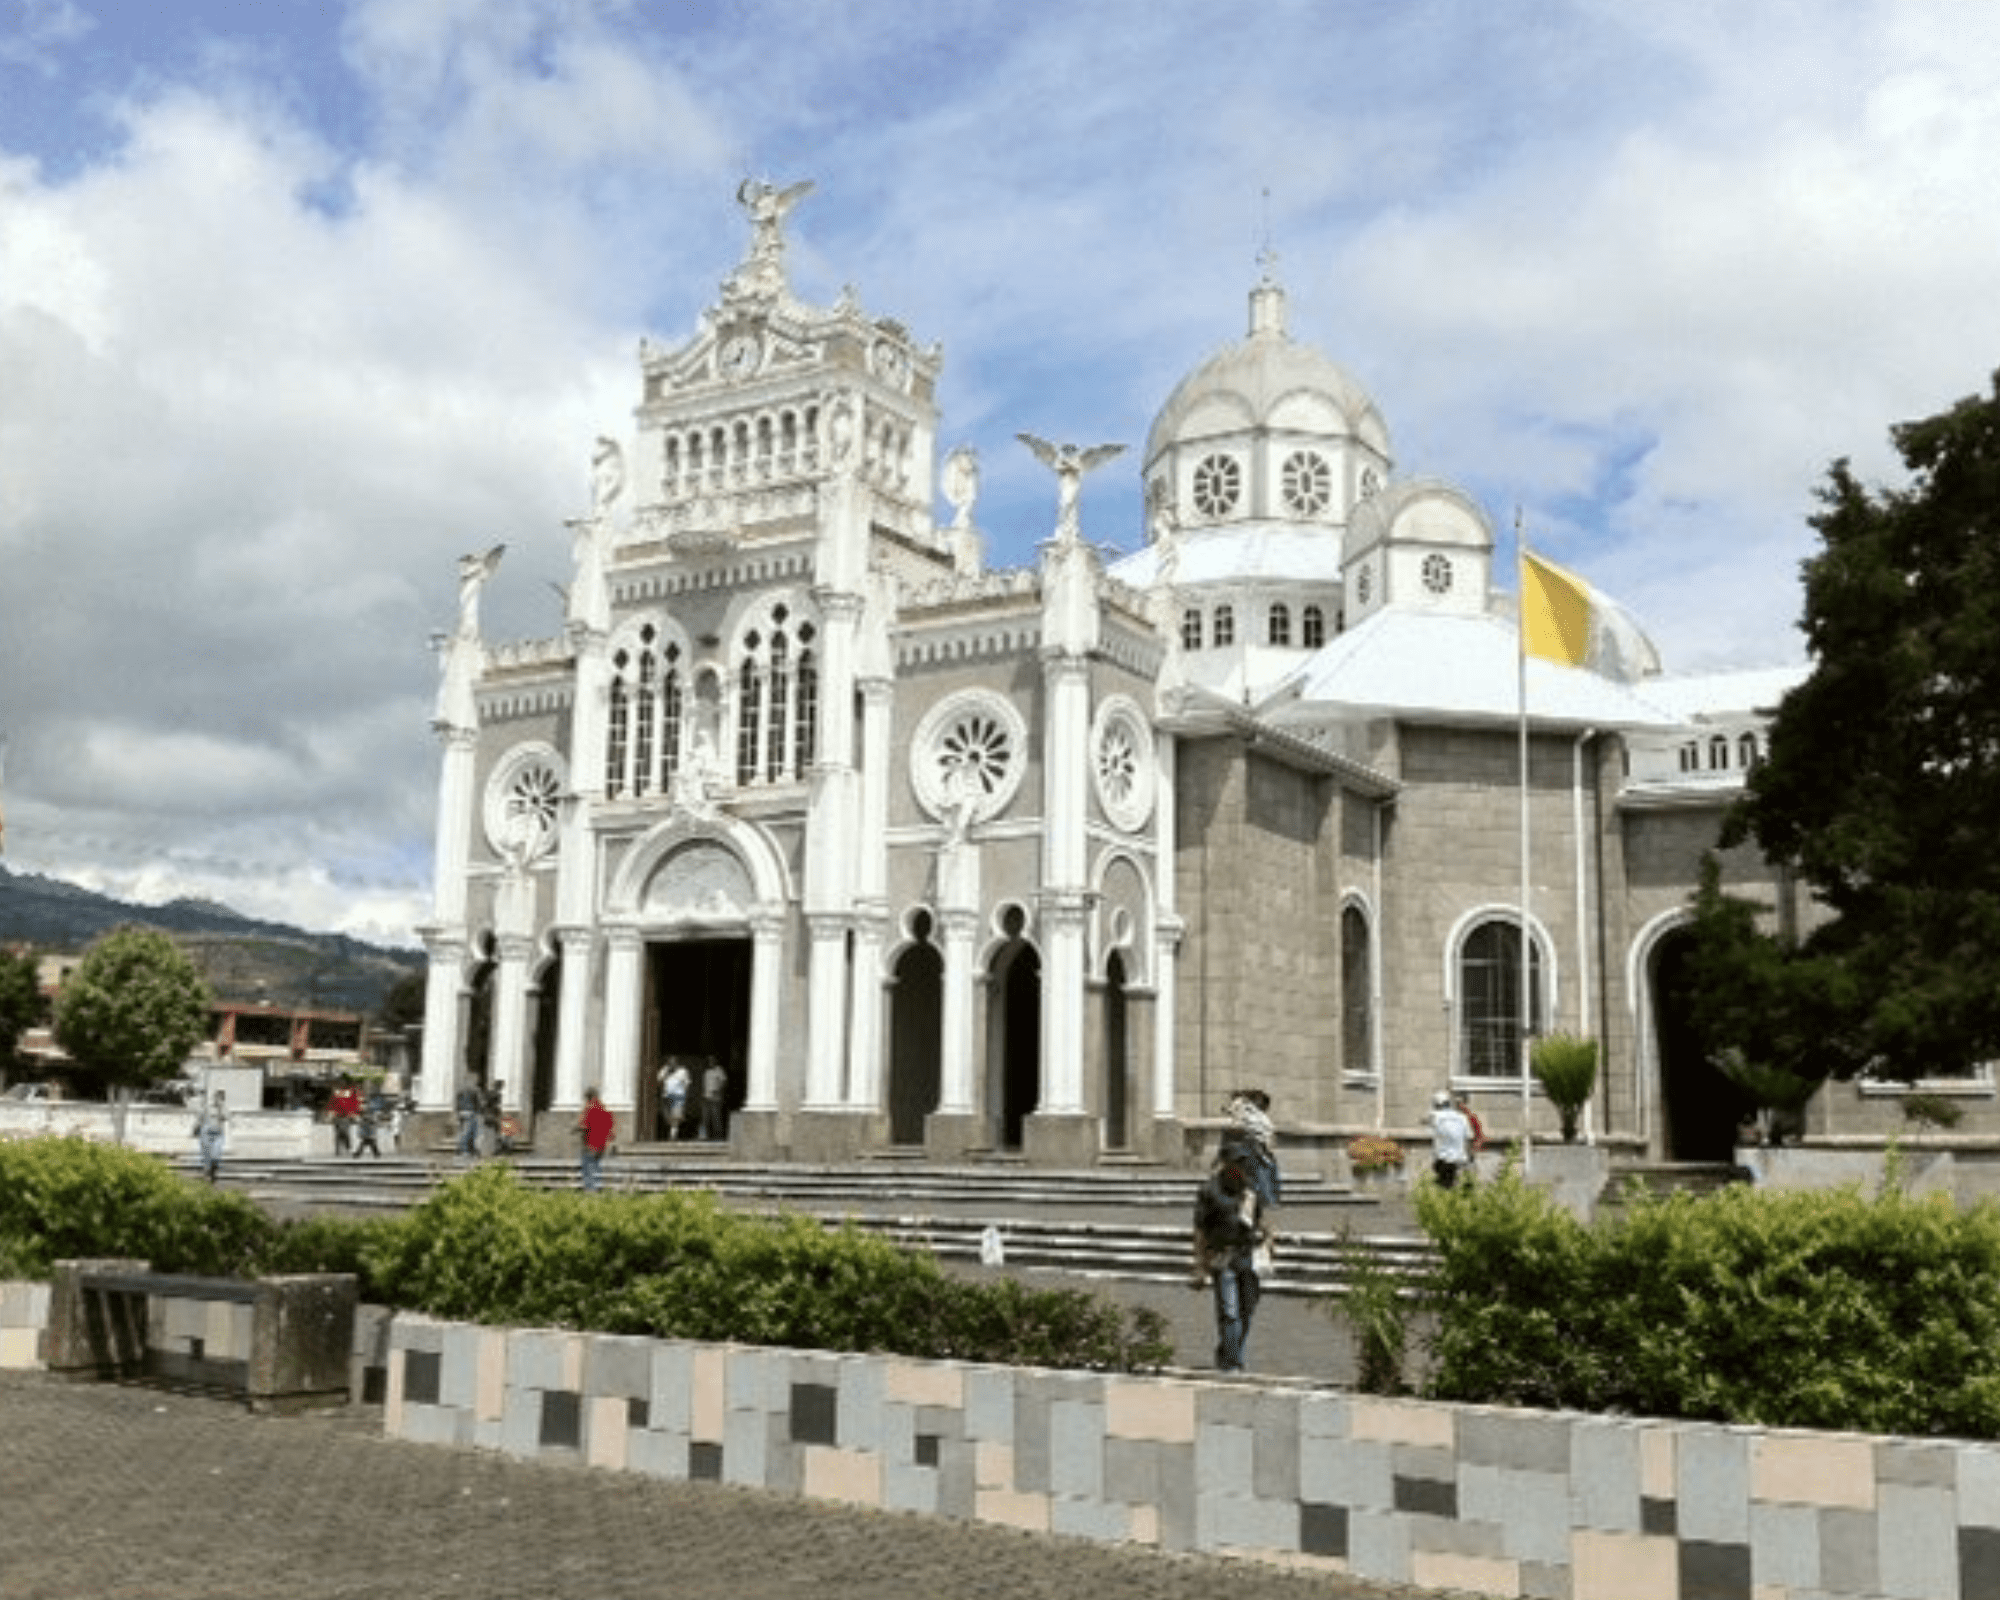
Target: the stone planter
pixel 1574 1173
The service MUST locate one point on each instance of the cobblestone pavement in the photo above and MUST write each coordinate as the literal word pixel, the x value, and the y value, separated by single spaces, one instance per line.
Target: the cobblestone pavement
pixel 110 1492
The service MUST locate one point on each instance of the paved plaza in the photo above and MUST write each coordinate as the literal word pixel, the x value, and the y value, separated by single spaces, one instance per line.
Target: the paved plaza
pixel 113 1492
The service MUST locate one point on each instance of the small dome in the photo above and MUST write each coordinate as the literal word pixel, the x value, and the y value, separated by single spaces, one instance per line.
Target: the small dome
pixel 1268 380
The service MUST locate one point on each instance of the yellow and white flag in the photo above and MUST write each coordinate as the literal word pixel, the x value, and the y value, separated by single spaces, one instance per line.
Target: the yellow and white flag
pixel 1566 621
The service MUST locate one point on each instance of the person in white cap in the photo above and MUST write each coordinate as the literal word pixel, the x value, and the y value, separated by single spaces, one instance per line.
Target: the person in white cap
pixel 1451 1140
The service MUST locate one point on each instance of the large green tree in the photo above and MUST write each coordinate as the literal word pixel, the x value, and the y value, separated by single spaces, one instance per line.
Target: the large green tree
pixel 1882 785
pixel 133 1009
pixel 20 1002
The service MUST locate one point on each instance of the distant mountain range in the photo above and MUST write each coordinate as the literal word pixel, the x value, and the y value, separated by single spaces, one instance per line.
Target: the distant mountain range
pixel 244 959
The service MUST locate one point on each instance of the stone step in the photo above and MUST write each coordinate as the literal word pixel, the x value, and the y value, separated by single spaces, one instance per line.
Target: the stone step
pixel 1084 1225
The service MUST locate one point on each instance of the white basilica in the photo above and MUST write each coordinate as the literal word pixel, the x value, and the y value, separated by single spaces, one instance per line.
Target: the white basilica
pixel 1042 863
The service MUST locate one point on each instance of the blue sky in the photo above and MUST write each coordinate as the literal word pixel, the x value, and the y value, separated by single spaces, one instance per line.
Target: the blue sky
pixel 300 299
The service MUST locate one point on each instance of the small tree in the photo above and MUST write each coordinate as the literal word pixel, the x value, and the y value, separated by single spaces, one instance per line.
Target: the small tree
pixel 20 1003
pixel 134 1008
pixel 1566 1068
pixel 1780 1094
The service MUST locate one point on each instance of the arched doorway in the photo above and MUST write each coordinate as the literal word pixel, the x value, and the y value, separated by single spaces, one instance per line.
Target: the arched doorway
pixel 1117 1057
pixel 479 1015
pixel 697 1008
pixel 1014 1027
pixel 1700 1107
pixel 916 1036
pixel 547 1010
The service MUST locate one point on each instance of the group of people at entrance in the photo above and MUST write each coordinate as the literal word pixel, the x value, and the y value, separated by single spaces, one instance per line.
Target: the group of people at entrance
pixel 1234 1223
pixel 677 1087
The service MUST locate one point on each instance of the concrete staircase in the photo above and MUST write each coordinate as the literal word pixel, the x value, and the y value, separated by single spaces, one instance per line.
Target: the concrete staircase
pixel 1124 1224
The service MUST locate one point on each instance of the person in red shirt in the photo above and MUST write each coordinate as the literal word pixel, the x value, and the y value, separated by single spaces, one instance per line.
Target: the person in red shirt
pixel 345 1109
pixel 595 1125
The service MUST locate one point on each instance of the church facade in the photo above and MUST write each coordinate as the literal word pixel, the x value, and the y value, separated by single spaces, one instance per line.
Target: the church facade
pixel 1041 863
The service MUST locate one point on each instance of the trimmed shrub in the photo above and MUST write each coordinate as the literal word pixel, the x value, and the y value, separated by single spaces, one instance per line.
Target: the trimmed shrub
pixel 1810 1309
pixel 68 1197
pixel 677 1265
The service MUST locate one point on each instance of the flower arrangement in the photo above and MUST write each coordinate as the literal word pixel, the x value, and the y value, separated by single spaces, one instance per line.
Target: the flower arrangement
pixel 1371 1152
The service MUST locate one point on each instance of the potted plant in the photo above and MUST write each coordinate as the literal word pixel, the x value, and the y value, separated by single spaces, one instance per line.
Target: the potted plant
pixel 1374 1158
pixel 1566 1068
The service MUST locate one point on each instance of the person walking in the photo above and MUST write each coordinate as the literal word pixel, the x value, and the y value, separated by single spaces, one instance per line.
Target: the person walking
pixel 345 1109
pixel 1227 1234
pixel 468 1105
pixel 211 1124
pixel 368 1127
pixel 1451 1140
pixel 675 1081
pixel 714 1094
pixel 595 1125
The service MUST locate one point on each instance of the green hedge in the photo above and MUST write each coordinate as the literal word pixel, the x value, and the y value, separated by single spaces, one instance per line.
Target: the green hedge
pixel 1832 1310
pixel 485 1248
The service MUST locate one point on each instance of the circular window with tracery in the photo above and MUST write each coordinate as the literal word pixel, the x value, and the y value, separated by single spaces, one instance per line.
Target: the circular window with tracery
pixel 1121 762
pixel 1308 483
pixel 1437 574
pixel 1218 484
pixel 524 802
pixel 968 757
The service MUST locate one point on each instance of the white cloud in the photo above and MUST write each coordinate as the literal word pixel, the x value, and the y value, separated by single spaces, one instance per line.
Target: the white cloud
pixel 296 308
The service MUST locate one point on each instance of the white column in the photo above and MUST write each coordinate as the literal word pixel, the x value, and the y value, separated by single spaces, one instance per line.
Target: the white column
pixel 623 991
pixel 507 1062
pixel 1064 918
pixel 867 1066
pixel 865 1002
pixel 1065 898
pixel 573 1020
pixel 1167 924
pixel 826 1011
pixel 767 948
pixel 1166 958
pixel 445 935
pixel 958 1095
pixel 437 1079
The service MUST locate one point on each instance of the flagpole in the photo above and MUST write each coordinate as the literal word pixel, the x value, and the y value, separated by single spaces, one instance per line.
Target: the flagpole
pixel 1525 955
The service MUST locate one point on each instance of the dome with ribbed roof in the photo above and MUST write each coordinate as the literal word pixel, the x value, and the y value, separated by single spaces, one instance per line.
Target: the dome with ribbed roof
pixel 1268 429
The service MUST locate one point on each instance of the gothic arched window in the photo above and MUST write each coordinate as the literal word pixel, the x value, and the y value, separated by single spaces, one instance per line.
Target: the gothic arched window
pixel 1489 999
pixel 643 739
pixel 1357 993
pixel 777 698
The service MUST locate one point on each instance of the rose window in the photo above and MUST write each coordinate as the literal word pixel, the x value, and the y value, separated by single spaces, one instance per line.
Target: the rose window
pixel 524 802
pixel 1218 483
pixel 1308 483
pixel 1122 763
pixel 968 756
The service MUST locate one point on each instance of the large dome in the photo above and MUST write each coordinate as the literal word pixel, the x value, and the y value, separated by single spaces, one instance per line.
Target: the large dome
pixel 1268 381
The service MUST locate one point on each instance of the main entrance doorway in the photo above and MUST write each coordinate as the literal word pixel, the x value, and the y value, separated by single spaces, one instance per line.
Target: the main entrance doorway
pixel 1700 1106
pixel 697 1008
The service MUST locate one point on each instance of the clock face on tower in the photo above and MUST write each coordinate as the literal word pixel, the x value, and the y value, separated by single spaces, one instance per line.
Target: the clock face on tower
pixel 740 356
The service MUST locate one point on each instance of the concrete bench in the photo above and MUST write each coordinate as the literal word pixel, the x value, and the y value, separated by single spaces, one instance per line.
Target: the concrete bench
pixel 285 1343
